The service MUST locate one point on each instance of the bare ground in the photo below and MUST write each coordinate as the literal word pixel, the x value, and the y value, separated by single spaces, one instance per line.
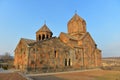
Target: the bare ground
pixel 11 76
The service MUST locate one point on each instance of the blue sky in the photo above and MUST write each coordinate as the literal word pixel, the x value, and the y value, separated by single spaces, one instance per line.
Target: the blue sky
pixel 22 18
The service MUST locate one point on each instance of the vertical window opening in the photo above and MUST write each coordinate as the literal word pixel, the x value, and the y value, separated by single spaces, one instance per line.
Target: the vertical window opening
pixel 47 36
pixel 39 37
pixel 55 53
pixel 69 62
pixel 43 37
pixel 65 62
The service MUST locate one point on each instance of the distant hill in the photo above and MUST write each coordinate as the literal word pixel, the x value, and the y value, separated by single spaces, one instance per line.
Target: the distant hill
pixel 111 57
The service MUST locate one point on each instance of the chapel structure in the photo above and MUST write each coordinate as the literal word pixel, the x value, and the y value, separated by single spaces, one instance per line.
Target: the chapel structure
pixel 75 49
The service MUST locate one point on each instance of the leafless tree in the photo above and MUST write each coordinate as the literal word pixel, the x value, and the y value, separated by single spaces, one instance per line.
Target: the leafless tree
pixel 6 56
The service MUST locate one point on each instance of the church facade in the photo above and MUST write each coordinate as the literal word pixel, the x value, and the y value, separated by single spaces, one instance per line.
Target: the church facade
pixel 75 49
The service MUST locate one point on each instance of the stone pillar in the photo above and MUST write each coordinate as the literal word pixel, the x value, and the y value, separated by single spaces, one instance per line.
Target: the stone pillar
pixel 49 36
pixel 45 36
pixel 41 37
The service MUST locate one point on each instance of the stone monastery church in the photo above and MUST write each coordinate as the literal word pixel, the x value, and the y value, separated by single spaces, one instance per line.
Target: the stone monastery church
pixel 75 49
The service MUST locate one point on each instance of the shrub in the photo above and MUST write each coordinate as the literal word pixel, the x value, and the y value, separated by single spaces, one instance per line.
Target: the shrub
pixel 5 67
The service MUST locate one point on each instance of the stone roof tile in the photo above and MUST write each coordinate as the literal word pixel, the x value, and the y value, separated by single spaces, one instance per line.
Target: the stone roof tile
pixel 28 41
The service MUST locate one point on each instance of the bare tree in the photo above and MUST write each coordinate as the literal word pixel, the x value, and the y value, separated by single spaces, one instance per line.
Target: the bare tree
pixel 6 56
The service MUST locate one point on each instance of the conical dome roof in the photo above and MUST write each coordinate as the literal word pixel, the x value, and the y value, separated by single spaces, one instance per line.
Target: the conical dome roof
pixel 76 17
pixel 44 28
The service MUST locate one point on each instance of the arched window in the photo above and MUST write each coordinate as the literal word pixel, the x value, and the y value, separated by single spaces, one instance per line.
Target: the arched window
pixel 43 37
pixel 39 37
pixel 55 53
pixel 65 62
pixel 50 35
pixel 47 36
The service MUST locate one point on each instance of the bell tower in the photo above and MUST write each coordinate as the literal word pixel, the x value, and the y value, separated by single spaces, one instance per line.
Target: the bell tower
pixel 43 33
pixel 76 25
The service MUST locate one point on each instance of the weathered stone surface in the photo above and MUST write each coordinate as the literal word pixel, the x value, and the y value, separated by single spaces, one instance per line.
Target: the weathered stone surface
pixel 75 49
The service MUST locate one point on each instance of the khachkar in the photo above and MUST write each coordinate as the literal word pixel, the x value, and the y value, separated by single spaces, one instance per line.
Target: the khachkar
pixel 75 49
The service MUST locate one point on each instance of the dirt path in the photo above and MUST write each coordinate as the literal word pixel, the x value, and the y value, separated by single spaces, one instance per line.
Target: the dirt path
pixel 44 74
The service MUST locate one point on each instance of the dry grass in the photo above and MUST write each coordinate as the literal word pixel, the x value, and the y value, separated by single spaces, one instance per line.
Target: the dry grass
pixel 87 75
pixel 11 76
pixel 91 75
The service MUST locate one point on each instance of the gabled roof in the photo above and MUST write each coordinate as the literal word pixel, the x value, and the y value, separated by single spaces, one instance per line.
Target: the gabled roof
pixel 44 28
pixel 69 36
